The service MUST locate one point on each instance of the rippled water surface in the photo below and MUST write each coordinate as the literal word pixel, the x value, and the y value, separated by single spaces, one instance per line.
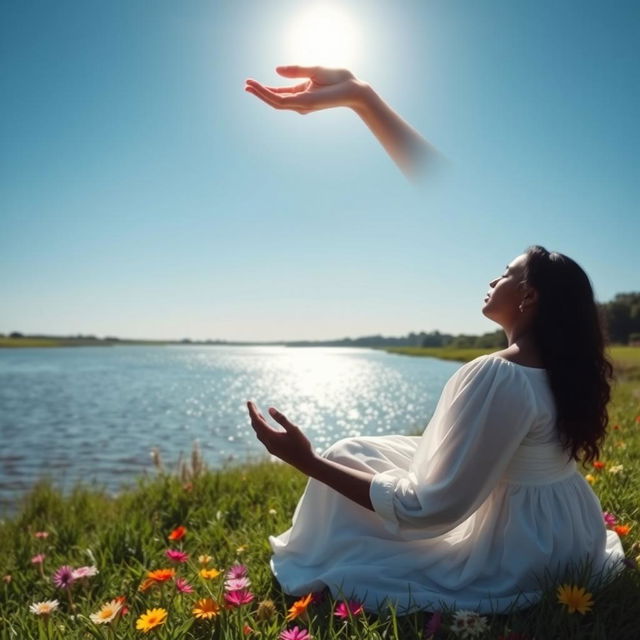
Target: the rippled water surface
pixel 92 414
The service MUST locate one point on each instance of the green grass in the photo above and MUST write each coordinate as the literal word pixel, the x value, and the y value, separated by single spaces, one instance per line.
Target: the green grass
pixel 125 536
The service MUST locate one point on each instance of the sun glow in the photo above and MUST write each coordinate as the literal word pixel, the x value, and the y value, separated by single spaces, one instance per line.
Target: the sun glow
pixel 323 34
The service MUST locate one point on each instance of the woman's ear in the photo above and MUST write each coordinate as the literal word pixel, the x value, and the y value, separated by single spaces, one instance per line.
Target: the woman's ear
pixel 529 299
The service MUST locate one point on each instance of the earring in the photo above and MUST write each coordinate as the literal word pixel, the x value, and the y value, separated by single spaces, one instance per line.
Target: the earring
pixel 521 307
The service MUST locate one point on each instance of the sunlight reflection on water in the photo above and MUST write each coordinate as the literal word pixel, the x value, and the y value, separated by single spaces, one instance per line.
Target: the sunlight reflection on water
pixel 93 414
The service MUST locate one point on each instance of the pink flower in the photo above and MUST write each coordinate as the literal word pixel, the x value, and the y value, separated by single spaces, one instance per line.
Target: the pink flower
pixel 84 572
pixel 38 559
pixel 344 610
pixel 237 571
pixel 176 556
pixel 236 584
pixel 609 519
pixel 295 634
pixel 434 624
pixel 41 534
pixel 237 598
pixel 63 578
pixel 183 586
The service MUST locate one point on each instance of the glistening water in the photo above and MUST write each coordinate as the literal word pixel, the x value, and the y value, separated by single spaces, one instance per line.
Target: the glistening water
pixel 92 414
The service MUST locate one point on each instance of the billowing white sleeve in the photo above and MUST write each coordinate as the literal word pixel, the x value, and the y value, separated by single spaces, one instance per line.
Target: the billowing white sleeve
pixel 484 412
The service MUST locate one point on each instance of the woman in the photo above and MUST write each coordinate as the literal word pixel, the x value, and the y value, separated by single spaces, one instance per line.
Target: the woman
pixel 488 500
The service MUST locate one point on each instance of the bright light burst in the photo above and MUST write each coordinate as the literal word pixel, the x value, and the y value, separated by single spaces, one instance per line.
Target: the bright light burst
pixel 323 34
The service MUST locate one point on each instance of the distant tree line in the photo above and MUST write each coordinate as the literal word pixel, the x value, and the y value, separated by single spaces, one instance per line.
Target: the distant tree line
pixel 622 318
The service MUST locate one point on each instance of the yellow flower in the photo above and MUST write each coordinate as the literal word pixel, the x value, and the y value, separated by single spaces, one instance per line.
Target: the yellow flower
pixel 242 548
pixel 206 609
pixel 208 574
pixel 151 619
pixel 299 607
pixel 204 559
pixel 616 468
pixel 590 479
pixel 107 613
pixel 575 598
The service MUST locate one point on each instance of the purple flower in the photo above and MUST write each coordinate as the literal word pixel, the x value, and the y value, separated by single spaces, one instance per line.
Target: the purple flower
pixel 609 519
pixel 237 571
pixel 84 572
pixel 183 586
pixel 176 556
pixel 63 578
pixel 434 624
pixel 38 559
pixel 295 634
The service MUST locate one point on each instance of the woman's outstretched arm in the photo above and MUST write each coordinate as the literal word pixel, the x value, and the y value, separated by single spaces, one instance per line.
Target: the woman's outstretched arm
pixel 293 447
pixel 324 88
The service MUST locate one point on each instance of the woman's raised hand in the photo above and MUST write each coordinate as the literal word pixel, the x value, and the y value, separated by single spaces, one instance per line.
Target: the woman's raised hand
pixel 322 88
pixel 290 445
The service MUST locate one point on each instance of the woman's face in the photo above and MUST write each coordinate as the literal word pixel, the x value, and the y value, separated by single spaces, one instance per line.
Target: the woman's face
pixel 506 293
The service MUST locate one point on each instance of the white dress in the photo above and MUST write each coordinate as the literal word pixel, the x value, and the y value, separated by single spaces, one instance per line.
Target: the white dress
pixel 470 515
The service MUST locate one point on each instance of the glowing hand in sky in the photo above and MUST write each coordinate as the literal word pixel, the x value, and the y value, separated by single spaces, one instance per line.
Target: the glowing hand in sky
pixel 322 88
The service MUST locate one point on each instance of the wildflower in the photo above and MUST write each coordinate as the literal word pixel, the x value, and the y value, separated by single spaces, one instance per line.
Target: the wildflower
pixel 7 578
pixel 616 469
pixel 299 607
pixel 107 613
pixel 235 584
pixel 272 512
pixel 209 574
pixel 178 533
pixel 638 419
pixel 575 598
pixel 609 519
pixel 204 559
pixel 468 624
pixel 598 464
pixel 433 626
pixel 206 609
pixel 295 634
pixel 246 629
pixel 183 586
pixel 146 584
pixel 161 575
pixel 590 479
pixel 41 535
pixel 237 571
pixel 176 556
pixel 238 598
pixel 44 608
pixel 151 619
pixel 38 559
pixel 622 529
pixel 242 548
pixel 345 610
pixel 266 610
pixel 123 607
pixel 84 572
pixel 63 578
pixel 616 427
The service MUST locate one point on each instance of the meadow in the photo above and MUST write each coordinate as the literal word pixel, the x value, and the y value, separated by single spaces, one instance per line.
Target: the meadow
pixel 184 554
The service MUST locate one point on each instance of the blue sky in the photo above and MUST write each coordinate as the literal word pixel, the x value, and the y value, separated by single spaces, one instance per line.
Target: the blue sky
pixel 143 193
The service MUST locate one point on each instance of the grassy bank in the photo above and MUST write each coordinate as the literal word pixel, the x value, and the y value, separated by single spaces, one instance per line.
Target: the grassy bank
pixel 229 515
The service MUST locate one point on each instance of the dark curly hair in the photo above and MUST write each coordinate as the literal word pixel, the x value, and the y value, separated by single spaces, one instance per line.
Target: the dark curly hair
pixel 568 332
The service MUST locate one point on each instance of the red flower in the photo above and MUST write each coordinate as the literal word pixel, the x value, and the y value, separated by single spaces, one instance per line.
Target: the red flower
pixel 598 464
pixel 178 533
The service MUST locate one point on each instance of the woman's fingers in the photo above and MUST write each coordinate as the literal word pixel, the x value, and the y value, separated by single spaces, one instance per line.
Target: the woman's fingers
pixel 303 86
pixel 296 71
pixel 282 419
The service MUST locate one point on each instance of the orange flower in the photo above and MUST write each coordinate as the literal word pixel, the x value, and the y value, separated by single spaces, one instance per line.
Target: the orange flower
pixel 178 533
pixel 299 607
pixel 638 419
pixel 616 427
pixel 206 609
pixel 161 575
pixel 146 584
pixel 598 464
pixel 622 529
